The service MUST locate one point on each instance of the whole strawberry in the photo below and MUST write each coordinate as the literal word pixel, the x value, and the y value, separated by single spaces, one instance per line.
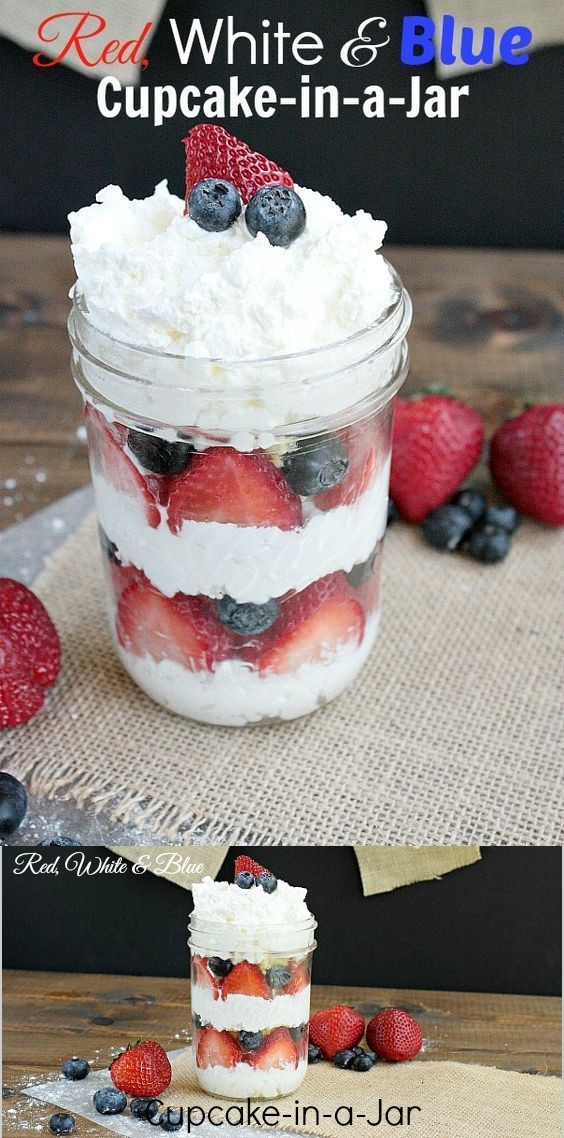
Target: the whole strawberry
pixel 142 1071
pixel 211 152
pixel 30 653
pixel 394 1035
pixel 527 462
pixel 437 441
pixel 336 1029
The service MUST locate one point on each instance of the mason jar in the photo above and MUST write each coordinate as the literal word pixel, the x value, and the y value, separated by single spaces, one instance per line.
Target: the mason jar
pixel 250 999
pixel 242 506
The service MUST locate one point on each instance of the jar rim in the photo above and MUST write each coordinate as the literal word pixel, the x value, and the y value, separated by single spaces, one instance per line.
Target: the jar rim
pixel 399 311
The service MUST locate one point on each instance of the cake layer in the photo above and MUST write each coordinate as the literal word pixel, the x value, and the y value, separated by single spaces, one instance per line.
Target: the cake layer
pixel 243 1081
pixel 234 694
pixel 246 562
pixel 250 1013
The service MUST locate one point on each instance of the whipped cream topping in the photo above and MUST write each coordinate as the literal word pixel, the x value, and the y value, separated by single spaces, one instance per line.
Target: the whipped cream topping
pixel 225 902
pixel 153 277
pixel 250 924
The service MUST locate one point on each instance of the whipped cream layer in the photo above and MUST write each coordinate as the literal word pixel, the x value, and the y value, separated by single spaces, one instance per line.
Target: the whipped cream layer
pixel 242 1080
pixel 250 1013
pixel 153 277
pixel 235 695
pixel 248 563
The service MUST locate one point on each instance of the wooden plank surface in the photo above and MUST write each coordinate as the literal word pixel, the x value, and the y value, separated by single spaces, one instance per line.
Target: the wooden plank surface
pixel 49 1016
pixel 486 322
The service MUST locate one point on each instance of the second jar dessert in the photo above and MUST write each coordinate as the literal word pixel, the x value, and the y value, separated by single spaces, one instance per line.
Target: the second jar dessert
pixel 238 387
pixel 251 947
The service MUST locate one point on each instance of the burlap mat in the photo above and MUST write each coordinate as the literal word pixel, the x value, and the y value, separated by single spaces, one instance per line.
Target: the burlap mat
pixel 382 868
pixel 453 734
pixel 457 1100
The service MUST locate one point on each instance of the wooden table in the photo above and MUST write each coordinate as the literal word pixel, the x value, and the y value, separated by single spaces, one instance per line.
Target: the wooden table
pixel 486 322
pixel 51 1015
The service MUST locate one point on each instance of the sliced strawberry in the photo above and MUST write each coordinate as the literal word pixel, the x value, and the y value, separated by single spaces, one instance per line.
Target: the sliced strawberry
pixel 32 631
pixel 217 1049
pixel 203 977
pixel 211 152
pixel 299 979
pixel 116 465
pixel 311 626
pixel 124 575
pixel 20 696
pixel 277 1051
pixel 224 485
pixel 359 441
pixel 180 628
pixel 244 864
pixel 245 980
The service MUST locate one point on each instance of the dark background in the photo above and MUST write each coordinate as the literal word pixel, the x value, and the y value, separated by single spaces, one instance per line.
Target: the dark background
pixel 487 178
pixel 494 926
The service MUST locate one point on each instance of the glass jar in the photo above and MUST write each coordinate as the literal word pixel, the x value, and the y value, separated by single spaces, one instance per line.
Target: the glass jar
pixel 242 506
pixel 250 996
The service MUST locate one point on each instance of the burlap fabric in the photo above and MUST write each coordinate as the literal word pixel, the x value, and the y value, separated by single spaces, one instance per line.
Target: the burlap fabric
pixel 453 733
pixel 382 868
pixel 456 1100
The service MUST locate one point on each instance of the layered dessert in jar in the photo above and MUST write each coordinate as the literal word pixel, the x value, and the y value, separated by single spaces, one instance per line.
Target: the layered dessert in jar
pixel 251 945
pixel 238 353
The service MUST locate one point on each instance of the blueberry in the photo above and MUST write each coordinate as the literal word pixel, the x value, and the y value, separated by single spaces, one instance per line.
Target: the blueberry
pixel 362 1063
pixel 109 1101
pixel 75 1068
pixel 62 1123
pixel 214 204
pixel 314 1054
pixel 393 512
pixel 445 527
pixel 364 570
pixel 268 882
pixel 278 212
pixel 109 548
pixel 506 517
pixel 60 841
pixel 218 966
pixel 277 976
pixel 489 543
pixel 344 1059
pixel 471 500
pixel 13 804
pixel 245 880
pixel 144 1108
pixel 171 1119
pixel 358 1050
pixel 316 465
pixel 250 1040
pixel 247 619
pixel 198 1021
pixel 159 455
pixel 297 1033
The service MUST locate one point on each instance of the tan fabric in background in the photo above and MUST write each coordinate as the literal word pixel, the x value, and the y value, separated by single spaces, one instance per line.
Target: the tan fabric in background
pixel 171 862
pixel 383 869
pixel 125 20
pixel 457 1100
pixel 453 733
